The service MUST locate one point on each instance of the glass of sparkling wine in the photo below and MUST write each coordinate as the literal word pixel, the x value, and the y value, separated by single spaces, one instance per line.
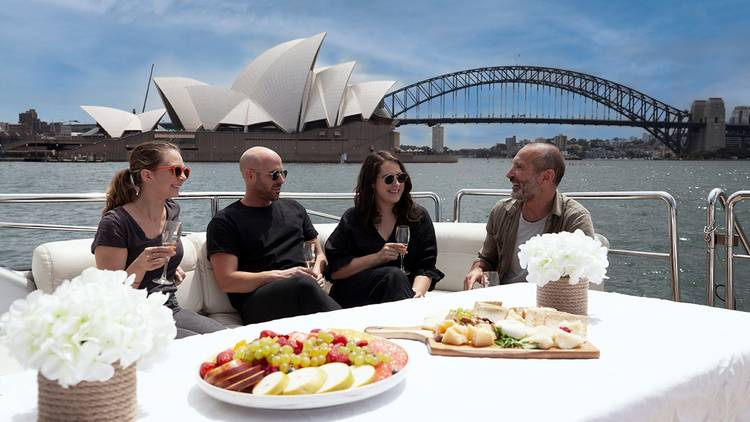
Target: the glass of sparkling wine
pixel 309 252
pixel 169 237
pixel 402 236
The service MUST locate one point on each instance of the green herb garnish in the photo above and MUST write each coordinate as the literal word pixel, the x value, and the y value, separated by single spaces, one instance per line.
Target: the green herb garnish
pixel 507 342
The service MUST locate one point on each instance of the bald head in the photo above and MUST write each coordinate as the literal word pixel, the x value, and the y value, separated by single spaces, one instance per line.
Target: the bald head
pixel 258 158
pixel 546 157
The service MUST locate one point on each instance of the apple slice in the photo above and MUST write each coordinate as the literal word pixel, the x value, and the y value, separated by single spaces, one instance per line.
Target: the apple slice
pixel 338 377
pixel 246 380
pixel 230 372
pixel 363 375
pixel 305 381
pixel 272 384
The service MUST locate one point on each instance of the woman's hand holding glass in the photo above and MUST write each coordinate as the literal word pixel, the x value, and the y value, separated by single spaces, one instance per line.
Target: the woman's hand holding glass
pixel 169 238
pixel 152 258
pixel 391 251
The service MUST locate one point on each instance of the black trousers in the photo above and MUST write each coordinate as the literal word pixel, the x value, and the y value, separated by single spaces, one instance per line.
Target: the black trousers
pixel 286 298
pixel 375 285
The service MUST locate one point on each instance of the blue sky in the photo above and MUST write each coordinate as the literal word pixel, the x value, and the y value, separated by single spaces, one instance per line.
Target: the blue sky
pixel 59 54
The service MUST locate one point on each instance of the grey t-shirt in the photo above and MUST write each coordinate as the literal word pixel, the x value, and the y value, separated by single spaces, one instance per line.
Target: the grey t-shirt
pixel 526 230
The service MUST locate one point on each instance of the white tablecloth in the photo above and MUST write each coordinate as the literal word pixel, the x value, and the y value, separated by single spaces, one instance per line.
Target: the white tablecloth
pixel 660 361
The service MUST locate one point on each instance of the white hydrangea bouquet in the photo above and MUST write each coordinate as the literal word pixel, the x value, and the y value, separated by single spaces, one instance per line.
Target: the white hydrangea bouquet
pixel 552 256
pixel 86 327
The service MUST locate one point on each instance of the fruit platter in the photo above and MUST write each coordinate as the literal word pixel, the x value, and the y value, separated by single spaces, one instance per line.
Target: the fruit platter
pixel 303 370
pixel 491 330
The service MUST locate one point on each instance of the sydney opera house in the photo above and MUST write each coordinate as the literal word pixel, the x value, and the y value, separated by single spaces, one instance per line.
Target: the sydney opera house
pixel 280 100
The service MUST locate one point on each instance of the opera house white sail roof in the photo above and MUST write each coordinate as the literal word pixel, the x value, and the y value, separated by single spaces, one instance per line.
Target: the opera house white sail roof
pixel 116 122
pixel 280 87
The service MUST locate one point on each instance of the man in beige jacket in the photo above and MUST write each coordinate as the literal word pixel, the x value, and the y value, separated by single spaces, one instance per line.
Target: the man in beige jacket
pixel 535 207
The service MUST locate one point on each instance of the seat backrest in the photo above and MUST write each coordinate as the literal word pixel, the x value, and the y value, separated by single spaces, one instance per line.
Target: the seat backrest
pixel 458 245
pixel 53 262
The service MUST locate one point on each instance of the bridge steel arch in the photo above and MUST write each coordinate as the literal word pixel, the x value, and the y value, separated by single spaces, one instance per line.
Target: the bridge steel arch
pixel 666 123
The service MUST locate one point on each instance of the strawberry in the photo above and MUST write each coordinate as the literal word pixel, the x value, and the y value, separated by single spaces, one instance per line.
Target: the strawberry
pixel 268 333
pixel 340 340
pixel 205 367
pixel 296 345
pixel 224 357
pixel 335 356
pixel 362 343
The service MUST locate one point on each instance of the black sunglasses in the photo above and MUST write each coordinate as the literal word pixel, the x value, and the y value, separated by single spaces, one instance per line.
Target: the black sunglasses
pixel 278 173
pixel 390 178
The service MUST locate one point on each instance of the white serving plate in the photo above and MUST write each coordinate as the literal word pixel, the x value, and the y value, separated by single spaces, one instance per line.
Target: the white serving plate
pixel 303 401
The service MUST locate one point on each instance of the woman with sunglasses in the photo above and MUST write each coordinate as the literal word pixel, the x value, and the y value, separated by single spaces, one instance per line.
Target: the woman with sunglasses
pixel 139 203
pixel 363 255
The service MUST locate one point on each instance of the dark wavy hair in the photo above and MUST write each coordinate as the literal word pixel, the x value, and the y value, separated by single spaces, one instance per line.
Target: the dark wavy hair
pixel 364 199
pixel 126 183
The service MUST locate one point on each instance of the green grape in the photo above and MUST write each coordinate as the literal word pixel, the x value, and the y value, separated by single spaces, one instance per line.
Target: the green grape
pixel 284 367
pixel 305 362
pixel 258 355
pixel 296 359
pixel 254 346
pixel 284 358
pixel 275 360
pixel 275 347
pixel 287 349
pixel 358 360
pixel 371 360
pixel 320 360
pixel 265 350
pixel 325 336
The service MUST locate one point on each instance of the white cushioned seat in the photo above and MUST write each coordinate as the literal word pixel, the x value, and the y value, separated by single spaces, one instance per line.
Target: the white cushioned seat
pixel 216 304
pixel 53 262
pixel 458 246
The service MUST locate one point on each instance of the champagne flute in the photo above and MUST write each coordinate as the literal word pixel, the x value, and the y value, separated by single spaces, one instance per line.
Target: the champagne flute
pixel 309 254
pixel 402 236
pixel 169 237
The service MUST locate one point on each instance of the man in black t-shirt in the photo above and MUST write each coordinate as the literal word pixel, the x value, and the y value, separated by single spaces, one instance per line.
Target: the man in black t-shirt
pixel 256 247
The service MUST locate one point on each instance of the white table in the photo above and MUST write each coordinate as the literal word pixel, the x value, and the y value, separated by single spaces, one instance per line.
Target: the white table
pixel 659 361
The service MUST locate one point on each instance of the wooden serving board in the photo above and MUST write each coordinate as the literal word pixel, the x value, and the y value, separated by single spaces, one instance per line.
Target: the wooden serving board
pixel 587 351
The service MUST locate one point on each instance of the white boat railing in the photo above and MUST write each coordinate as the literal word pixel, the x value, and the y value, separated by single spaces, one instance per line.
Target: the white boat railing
pixel 213 197
pixel 712 236
pixel 665 197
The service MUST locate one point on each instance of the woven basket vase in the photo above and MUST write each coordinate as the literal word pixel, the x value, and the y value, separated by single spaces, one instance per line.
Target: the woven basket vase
pixel 111 400
pixel 563 296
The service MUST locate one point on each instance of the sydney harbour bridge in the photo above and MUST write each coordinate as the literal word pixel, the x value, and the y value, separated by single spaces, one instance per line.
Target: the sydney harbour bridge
pixel 545 95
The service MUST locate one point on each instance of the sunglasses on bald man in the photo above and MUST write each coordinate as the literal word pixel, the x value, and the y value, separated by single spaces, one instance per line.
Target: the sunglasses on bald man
pixel 275 174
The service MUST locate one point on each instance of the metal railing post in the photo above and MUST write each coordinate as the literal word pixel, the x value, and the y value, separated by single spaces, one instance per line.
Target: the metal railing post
pixel 729 290
pixel 709 235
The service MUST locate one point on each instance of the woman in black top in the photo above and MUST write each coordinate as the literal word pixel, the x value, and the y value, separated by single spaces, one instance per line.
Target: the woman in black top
pixel 362 253
pixel 129 234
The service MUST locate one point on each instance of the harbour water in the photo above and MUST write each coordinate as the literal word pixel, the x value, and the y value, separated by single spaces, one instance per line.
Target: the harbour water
pixel 637 225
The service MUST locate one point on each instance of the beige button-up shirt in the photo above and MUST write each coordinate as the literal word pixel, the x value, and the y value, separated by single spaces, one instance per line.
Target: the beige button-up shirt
pixel 502 226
